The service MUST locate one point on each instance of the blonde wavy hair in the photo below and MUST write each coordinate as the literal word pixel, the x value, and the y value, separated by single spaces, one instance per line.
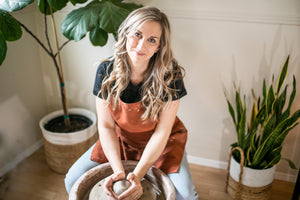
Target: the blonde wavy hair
pixel 161 72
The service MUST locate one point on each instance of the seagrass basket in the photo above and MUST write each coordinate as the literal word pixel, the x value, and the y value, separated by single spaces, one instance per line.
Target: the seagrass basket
pixel 239 191
pixel 61 157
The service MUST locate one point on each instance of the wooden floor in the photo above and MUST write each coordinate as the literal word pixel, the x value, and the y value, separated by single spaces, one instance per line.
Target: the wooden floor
pixel 33 180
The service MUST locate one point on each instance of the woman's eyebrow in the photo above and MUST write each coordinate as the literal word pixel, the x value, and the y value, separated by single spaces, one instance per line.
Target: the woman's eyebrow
pixel 142 33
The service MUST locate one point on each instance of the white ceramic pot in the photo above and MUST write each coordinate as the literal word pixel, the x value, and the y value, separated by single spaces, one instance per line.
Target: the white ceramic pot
pixel 63 149
pixel 251 177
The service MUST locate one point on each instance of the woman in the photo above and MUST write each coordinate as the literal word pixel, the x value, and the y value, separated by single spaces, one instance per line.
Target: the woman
pixel 137 97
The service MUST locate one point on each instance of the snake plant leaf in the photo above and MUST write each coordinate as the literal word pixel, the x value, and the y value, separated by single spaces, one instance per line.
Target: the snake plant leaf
pixel 282 75
pixel 98 37
pixel 291 164
pixel 253 115
pixel 293 93
pixel 242 127
pixel 74 2
pixel 3 48
pixel 273 162
pixel 264 92
pixel 267 127
pixel 267 143
pixel 9 5
pixel 239 106
pixel 287 112
pixel 279 140
pixel 231 111
pixel 280 102
pixel 270 99
pixel 9 27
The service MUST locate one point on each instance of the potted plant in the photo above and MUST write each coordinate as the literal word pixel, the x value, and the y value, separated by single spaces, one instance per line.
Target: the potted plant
pixel 260 138
pixel 69 132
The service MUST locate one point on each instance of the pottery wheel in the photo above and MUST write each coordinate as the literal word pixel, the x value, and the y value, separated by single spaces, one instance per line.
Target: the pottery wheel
pixel 151 192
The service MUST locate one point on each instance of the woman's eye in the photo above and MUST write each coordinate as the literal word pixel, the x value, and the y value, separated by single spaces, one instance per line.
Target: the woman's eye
pixel 137 34
pixel 152 40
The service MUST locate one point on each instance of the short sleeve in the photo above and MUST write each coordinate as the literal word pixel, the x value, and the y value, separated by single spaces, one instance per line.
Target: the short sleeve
pixel 179 89
pixel 103 70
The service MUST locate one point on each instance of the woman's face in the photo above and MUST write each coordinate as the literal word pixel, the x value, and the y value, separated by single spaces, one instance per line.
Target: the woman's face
pixel 143 42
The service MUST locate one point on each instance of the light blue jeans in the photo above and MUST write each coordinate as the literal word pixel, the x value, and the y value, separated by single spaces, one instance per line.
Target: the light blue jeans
pixel 182 180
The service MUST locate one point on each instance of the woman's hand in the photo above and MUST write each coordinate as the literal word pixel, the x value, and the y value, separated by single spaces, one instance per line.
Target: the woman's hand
pixel 135 191
pixel 109 181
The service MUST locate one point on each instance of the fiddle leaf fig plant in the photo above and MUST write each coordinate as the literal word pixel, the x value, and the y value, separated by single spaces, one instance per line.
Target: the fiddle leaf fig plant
pixel 270 121
pixel 99 18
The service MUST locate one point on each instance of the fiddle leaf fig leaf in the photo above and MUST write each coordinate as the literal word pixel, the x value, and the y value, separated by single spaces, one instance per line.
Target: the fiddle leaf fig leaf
pixel 98 37
pixel 9 27
pixel 74 2
pixel 9 5
pixel 112 15
pixel 78 22
pixel 57 4
pixel 41 5
pixel 3 48
pixel 105 15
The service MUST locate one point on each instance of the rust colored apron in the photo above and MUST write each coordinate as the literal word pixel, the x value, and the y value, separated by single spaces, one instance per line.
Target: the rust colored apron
pixel 134 133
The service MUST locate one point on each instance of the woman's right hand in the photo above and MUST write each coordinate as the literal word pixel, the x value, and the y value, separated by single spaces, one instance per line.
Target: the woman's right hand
pixel 108 183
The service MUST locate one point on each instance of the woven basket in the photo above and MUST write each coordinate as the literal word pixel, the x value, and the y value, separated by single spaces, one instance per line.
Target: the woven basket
pixel 239 191
pixel 63 149
pixel 61 157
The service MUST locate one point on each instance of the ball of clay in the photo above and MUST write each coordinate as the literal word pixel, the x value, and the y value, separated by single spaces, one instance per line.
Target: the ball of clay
pixel 120 186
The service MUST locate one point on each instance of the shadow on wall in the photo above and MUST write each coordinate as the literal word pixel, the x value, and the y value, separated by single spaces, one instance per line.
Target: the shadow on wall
pixel 266 69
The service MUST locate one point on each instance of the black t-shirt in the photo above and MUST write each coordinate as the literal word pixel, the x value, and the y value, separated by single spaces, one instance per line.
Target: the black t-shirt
pixel 132 93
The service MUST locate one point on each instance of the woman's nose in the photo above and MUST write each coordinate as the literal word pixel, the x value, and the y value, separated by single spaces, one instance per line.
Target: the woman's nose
pixel 141 43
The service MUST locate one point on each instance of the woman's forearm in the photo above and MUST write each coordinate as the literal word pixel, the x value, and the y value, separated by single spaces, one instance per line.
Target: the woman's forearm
pixel 153 150
pixel 111 148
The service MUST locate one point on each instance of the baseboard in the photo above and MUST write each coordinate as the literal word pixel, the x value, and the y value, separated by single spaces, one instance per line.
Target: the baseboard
pixel 223 165
pixel 23 155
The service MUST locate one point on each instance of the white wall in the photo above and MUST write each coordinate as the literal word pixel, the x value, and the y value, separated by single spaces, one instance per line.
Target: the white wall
pixel 218 43
pixel 22 97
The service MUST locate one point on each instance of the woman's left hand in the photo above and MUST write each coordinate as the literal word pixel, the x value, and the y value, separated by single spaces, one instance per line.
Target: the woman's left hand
pixel 135 191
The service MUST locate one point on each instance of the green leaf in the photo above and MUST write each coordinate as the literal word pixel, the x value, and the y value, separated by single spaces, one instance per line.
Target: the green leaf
pixel 239 106
pixel 273 162
pixel 267 127
pixel 82 20
pixel 253 115
pixel 242 126
pixel 267 143
pixel 41 5
pixel 74 2
pixel 3 48
pixel 107 15
pixel 264 93
pixel 98 37
pixel 291 164
pixel 57 4
pixel 9 27
pixel 270 99
pixel 282 75
pixel 112 15
pixel 279 140
pixel 231 111
pixel 14 5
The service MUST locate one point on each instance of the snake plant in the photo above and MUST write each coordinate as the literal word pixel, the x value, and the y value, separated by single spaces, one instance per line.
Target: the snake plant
pixel 269 123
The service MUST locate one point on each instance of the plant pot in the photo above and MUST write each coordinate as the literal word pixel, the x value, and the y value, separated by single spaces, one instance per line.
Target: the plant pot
pixel 255 183
pixel 82 187
pixel 63 149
